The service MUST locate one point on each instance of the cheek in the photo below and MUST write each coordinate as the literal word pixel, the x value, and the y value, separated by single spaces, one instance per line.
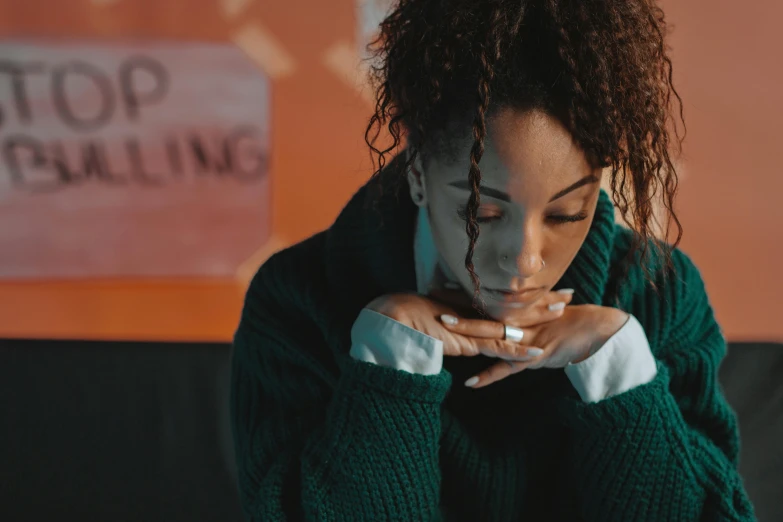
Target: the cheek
pixel 563 243
pixel 450 237
pixel 451 241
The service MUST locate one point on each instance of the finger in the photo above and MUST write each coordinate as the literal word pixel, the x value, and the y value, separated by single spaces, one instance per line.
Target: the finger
pixel 548 308
pixel 490 338
pixel 509 350
pixel 456 345
pixel 554 301
pixel 510 358
pixel 477 328
pixel 495 373
pixel 530 318
pixel 565 295
pixel 470 337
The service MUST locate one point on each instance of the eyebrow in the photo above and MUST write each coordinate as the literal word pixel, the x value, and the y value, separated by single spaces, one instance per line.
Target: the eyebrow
pixel 502 196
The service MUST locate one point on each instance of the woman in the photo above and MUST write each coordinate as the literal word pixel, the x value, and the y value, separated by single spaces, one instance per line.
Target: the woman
pixel 475 338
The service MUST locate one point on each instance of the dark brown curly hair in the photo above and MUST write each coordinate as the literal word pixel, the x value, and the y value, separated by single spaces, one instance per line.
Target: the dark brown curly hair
pixel 599 66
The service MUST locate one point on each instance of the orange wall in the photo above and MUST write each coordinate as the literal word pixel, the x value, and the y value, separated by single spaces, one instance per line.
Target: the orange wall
pixel 725 65
pixel 728 67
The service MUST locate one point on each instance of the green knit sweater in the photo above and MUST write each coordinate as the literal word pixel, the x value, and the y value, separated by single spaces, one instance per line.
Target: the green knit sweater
pixel 320 436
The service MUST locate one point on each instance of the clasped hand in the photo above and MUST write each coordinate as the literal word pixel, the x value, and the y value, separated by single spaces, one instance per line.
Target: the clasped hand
pixel 554 333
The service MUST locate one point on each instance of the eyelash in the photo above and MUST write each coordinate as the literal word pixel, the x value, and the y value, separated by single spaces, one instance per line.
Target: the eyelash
pixel 557 220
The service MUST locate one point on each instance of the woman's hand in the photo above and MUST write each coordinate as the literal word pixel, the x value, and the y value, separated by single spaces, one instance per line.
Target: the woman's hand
pixel 571 338
pixel 432 315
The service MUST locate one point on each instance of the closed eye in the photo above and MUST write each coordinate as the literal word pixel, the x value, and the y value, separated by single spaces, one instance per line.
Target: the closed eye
pixel 555 219
pixel 563 219
pixel 462 212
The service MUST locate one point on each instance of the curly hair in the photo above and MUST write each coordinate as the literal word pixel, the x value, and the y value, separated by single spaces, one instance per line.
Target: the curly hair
pixel 599 66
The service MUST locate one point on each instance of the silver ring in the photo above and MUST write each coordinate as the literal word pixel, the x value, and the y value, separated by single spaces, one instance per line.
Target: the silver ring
pixel 513 334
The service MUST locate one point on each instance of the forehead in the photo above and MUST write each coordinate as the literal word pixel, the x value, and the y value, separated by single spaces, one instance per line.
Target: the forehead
pixel 528 148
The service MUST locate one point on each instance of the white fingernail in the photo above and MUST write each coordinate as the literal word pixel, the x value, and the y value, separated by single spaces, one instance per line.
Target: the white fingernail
pixel 554 307
pixel 472 381
pixel 535 352
pixel 449 319
pixel 451 285
pixel 566 291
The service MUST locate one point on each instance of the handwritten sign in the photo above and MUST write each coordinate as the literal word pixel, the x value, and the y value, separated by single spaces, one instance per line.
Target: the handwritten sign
pixel 131 159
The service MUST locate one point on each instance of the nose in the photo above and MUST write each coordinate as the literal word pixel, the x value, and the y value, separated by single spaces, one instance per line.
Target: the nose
pixel 523 266
pixel 523 258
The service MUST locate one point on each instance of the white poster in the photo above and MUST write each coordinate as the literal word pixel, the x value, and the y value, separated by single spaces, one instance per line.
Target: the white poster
pixel 131 159
pixel 370 13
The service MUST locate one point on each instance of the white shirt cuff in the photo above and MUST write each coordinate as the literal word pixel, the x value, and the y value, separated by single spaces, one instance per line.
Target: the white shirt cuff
pixel 622 363
pixel 379 339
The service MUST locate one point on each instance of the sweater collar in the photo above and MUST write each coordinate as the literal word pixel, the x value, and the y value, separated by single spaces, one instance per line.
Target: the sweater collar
pixel 370 251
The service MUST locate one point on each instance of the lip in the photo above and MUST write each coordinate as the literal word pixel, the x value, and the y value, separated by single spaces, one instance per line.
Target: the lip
pixel 507 296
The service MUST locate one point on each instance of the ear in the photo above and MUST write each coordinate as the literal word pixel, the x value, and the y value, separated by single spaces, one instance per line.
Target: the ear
pixel 416 182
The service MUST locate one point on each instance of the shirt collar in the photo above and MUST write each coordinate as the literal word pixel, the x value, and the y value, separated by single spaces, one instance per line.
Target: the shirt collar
pixel 425 254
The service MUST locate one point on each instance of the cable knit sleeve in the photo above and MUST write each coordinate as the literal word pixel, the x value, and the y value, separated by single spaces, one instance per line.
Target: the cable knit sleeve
pixel 666 450
pixel 320 439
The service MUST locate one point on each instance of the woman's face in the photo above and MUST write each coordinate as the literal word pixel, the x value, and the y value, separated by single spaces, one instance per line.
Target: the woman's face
pixel 538 197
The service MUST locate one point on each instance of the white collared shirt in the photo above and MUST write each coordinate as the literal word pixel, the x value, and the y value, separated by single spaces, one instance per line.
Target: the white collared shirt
pixel 622 363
